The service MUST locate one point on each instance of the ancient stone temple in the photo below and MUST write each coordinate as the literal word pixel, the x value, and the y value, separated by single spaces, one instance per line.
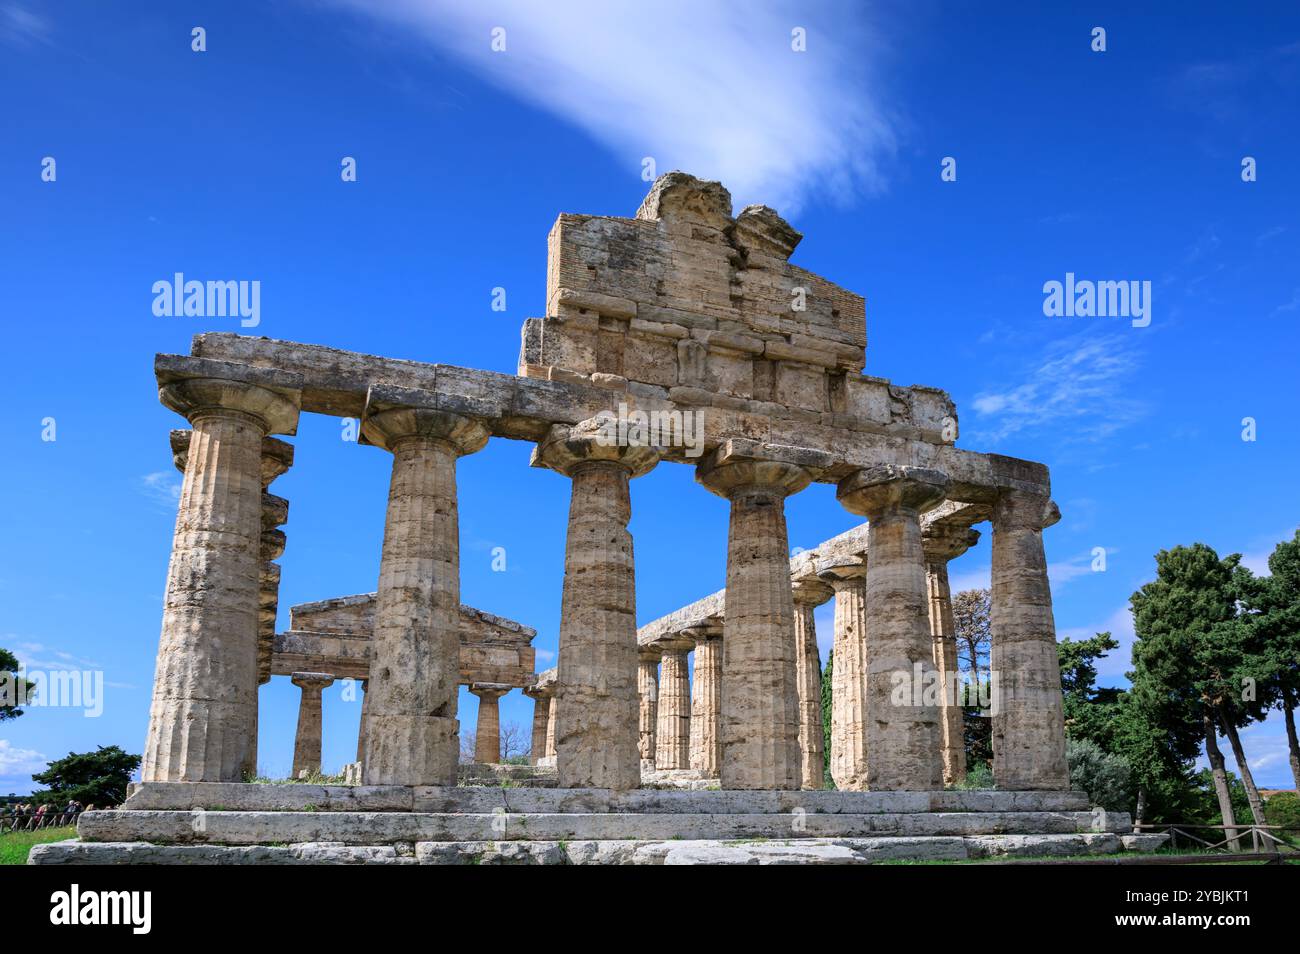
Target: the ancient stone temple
pixel 681 336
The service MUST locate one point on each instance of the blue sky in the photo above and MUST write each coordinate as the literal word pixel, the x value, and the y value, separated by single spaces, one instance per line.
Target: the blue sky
pixel 1115 165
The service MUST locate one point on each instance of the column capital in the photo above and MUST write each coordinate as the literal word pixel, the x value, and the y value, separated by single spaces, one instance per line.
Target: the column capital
pixel 941 542
pixel 1017 507
pixel 729 478
pixel 566 448
pixel 202 387
pixel 837 574
pixel 882 488
pixel 385 423
pixel 648 654
pixel 675 643
pixel 489 690
pixel 312 680
pixel 811 592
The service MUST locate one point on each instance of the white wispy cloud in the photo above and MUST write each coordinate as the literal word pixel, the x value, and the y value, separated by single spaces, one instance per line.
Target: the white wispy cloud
pixel 713 89
pixel 1078 388
pixel 1119 624
pixel 19 26
pixel 20 764
pixel 39 656
pixel 163 487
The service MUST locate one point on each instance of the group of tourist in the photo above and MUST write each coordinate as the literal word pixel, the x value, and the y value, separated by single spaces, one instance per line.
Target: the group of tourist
pixel 28 817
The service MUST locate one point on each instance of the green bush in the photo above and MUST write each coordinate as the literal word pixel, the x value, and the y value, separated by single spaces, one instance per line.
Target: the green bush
pixel 1283 809
pixel 1106 778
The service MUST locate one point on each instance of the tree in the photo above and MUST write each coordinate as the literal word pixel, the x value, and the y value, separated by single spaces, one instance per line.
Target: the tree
pixel 1162 724
pixel 92 778
pixel 1197 650
pixel 1272 607
pixel 13 687
pixel 972 615
pixel 1089 711
pixel 516 743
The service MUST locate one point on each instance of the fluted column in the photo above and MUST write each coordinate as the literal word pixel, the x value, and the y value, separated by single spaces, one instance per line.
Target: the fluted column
pixel 760 702
pixel 597 733
pixel 706 702
pixel 942 543
pixel 487 734
pixel 1028 718
pixel 673 735
pixel 412 734
pixel 541 722
pixel 361 728
pixel 849 708
pixel 808 595
pixel 205 682
pixel 277 457
pixel 554 709
pixel 647 685
pixel 307 741
pixel 902 718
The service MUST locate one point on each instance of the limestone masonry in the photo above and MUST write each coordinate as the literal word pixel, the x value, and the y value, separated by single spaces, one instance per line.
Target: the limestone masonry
pixel 684 312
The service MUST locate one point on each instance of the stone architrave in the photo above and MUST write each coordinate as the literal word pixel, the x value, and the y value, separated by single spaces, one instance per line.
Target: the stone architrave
pixel 203 713
pixel 808 595
pixel 412 734
pixel 596 738
pixel 760 700
pixel 1028 714
pixel 903 712
pixel 307 740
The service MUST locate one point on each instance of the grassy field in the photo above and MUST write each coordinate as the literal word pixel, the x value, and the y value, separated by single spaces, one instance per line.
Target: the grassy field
pixel 14 846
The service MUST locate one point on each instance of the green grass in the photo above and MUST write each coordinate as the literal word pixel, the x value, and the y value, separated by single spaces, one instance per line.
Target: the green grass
pixel 15 846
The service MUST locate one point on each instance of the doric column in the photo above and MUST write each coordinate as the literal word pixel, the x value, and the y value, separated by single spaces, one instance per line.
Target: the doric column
pixel 361 728
pixel 554 709
pixel 706 701
pixel 903 718
pixel 647 686
pixel 596 738
pixel 808 595
pixel 673 735
pixel 205 682
pixel 277 457
pixel 942 543
pixel 541 722
pixel 760 702
pixel 412 734
pixel 848 757
pixel 487 735
pixel 307 742
pixel 1028 719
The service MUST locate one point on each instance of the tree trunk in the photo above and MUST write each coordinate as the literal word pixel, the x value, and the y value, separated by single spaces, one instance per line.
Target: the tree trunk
pixel 1247 779
pixel 1140 815
pixel 1220 782
pixel 1293 747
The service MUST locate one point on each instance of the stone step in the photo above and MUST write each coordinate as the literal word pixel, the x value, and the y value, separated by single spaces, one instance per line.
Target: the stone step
pixel 842 851
pixel 371 828
pixel 235 796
